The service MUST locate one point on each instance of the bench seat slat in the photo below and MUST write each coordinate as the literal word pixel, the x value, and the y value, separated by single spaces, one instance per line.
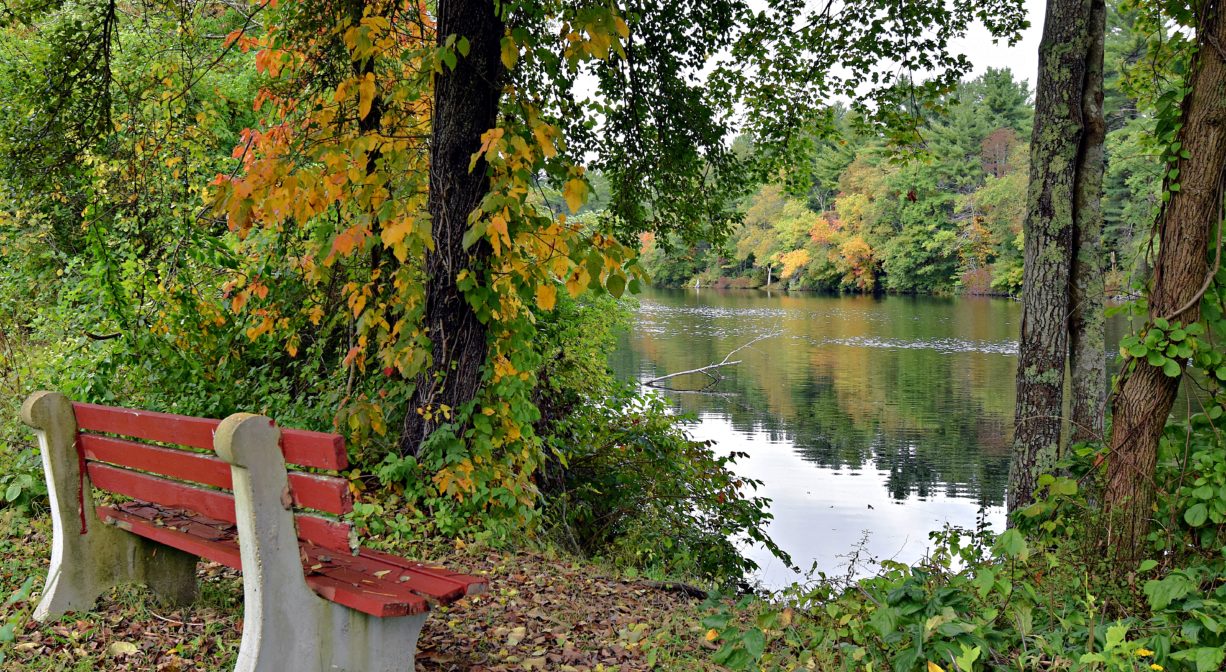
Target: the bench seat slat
pixel 224 552
pixel 301 447
pixel 211 503
pixel 363 600
pixel 312 491
pixel 333 580
pixel 360 568
pixel 470 585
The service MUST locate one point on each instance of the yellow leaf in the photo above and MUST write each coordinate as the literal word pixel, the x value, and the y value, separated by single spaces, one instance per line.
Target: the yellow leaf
pixel 120 649
pixel 622 28
pixel 712 635
pixel 510 53
pixel 933 667
pixel 546 295
pixel 498 227
pixel 575 193
pixel 396 231
pixel 542 138
pixel 317 314
pixel 517 635
pixel 366 95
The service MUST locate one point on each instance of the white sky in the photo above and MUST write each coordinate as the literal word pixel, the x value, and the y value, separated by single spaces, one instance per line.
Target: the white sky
pixel 1022 59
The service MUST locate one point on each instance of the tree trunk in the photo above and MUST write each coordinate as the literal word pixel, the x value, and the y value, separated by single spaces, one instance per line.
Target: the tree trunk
pixel 1144 398
pixel 1057 151
pixel 465 106
pixel 1087 324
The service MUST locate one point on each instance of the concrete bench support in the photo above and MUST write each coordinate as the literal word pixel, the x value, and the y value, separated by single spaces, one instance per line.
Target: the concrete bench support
pixel 286 626
pixel 88 557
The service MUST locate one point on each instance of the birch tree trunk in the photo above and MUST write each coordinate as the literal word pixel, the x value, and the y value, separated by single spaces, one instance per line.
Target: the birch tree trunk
pixel 1185 228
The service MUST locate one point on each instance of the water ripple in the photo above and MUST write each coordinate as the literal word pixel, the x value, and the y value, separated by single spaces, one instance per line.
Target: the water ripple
pixel 944 345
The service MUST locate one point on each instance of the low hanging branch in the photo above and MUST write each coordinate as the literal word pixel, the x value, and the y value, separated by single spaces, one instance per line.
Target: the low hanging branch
pixel 710 368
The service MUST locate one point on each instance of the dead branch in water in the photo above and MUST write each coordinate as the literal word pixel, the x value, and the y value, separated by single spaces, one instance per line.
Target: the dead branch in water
pixel 707 370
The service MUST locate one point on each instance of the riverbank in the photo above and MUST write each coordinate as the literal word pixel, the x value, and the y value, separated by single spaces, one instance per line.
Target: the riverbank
pixel 543 612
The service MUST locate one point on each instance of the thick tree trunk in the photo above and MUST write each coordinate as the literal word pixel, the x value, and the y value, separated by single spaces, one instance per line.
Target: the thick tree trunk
pixel 1056 152
pixel 1144 399
pixel 1087 324
pixel 465 106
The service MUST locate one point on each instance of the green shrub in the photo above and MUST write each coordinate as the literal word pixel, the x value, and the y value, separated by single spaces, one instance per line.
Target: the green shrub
pixel 1039 596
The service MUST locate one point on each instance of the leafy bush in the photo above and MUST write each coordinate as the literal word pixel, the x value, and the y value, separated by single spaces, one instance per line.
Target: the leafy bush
pixel 1038 596
pixel 633 488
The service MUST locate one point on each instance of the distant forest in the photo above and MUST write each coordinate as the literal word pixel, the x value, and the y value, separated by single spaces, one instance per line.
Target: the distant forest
pixel 944 218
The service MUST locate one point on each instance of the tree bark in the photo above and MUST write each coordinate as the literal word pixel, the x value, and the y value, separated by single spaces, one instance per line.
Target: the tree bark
pixel 1057 151
pixel 465 106
pixel 1143 401
pixel 1087 323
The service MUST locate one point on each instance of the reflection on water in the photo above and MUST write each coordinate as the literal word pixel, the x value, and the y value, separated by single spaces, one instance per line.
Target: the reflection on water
pixel 891 415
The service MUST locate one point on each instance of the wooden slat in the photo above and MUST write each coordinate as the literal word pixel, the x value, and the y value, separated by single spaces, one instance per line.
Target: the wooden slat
pixel 365 601
pixel 180 464
pixel 312 491
pixel 335 585
pixel 224 552
pixel 308 449
pixel 384 577
pixel 212 503
pixel 468 584
pixel 325 533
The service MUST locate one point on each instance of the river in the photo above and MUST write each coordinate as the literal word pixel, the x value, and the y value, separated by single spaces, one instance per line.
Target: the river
pixel 871 421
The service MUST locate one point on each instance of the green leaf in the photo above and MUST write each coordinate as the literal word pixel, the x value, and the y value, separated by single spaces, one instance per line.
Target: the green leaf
pixel 1064 486
pixel 463 47
pixel 1013 545
pixel 616 284
pixel 754 642
pixel 1196 515
pixel 13 492
pixel 1146 565
pixel 1171 368
pixel 966 661
pixel 1209 658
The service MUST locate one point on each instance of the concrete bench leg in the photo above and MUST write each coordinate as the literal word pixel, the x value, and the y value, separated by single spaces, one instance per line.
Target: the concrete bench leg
pixel 89 557
pixel 286 626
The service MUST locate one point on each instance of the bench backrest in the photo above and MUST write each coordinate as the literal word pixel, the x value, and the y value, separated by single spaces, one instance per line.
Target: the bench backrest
pixel 113 444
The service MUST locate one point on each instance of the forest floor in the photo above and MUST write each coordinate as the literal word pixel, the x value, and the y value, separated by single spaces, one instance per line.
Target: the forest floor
pixel 541 613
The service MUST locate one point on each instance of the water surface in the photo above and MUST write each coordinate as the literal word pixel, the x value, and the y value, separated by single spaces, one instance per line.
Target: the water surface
pixel 866 417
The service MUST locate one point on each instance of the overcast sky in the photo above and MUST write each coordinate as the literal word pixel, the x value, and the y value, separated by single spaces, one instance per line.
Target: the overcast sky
pixel 1022 59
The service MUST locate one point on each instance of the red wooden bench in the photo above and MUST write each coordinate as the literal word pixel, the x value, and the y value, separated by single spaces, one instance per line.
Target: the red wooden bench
pixel 313 598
